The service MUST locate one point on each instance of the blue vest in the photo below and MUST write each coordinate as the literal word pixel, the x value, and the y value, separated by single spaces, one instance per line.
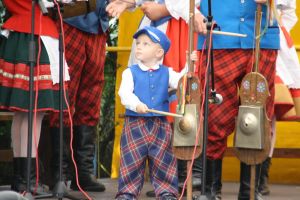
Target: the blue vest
pixel 94 22
pixel 238 17
pixel 151 87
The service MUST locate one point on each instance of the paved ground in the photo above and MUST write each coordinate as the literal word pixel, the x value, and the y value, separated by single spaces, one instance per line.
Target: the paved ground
pixel 230 190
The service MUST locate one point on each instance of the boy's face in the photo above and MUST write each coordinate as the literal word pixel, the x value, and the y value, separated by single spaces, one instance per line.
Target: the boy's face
pixel 147 51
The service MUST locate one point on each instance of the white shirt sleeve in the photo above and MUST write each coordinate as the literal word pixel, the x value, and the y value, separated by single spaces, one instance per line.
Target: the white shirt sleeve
pixel 283 2
pixel 288 13
pixel 174 77
pixel 128 98
pixel 180 8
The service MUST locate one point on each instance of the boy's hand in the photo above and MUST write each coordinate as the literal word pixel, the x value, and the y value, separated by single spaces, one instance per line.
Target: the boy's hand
pixel 153 10
pixel 116 8
pixel 142 108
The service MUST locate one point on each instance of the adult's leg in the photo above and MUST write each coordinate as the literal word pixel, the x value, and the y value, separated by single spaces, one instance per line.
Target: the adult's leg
pixel 87 110
pixel 229 67
pixel 245 175
pixel 20 162
pixel 76 60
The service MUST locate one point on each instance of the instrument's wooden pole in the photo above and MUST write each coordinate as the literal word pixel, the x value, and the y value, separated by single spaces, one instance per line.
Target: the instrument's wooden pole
pixel 188 92
pixel 252 182
pixel 258 16
pixel 189 187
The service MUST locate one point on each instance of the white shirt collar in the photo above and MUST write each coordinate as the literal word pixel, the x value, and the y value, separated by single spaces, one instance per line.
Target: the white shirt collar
pixel 145 68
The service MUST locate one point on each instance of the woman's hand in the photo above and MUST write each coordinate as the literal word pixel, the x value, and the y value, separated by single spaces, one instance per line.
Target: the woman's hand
pixel 154 11
pixel 117 7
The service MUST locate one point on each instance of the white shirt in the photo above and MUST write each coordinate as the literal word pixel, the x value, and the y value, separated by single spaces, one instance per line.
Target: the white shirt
pixel 129 99
pixel 180 8
pixel 287 63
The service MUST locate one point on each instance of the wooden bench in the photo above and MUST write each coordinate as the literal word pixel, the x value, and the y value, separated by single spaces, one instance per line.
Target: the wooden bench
pixel 6 116
pixel 278 152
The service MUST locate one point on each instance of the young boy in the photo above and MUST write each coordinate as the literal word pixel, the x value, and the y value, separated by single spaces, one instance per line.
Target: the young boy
pixel 147 136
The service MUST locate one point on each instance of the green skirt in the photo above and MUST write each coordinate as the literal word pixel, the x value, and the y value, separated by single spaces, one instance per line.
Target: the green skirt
pixel 14 76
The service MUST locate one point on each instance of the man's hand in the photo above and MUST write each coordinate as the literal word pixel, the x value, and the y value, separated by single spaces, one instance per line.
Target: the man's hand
pixel 200 23
pixel 154 11
pixel 117 7
pixel 142 108
pixel 261 1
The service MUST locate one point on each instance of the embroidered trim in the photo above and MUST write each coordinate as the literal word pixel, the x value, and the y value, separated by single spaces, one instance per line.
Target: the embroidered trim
pixel 22 76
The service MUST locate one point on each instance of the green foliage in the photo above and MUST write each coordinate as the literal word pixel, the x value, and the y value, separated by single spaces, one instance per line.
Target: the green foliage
pixel 6 173
pixel 5 134
pixel 2 12
pixel 107 119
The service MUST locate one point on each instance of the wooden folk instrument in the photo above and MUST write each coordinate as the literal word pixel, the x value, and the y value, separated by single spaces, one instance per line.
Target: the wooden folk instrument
pixel 254 91
pixel 189 92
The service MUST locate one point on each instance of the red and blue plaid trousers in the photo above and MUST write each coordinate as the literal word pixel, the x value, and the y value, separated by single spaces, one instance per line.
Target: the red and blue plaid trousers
pixel 147 139
pixel 230 66
pixel 85 55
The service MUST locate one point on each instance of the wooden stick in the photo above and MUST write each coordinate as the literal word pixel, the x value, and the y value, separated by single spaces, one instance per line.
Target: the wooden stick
pixel 165 113
pixel 189 187
pixel 252 182
pixel 229 33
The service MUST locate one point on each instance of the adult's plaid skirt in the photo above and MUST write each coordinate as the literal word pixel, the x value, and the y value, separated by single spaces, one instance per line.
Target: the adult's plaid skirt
pixel 231 65
pixel 14 76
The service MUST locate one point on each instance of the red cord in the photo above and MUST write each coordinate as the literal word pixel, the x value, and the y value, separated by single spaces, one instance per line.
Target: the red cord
pixel 68 108
pixel 35 108
pixel 201 117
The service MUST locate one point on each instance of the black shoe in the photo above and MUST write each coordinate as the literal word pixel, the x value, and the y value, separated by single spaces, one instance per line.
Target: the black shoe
pixel 214 179
pixel 125 197
pixel 150 193
pixel 244 191
pixel 84 146
pixel 55 139
pixel 168 197
pixel 197 174
pixel 263 186
pixel 196 182
pixel 20 183
pixel 121 198
pixel 90 184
